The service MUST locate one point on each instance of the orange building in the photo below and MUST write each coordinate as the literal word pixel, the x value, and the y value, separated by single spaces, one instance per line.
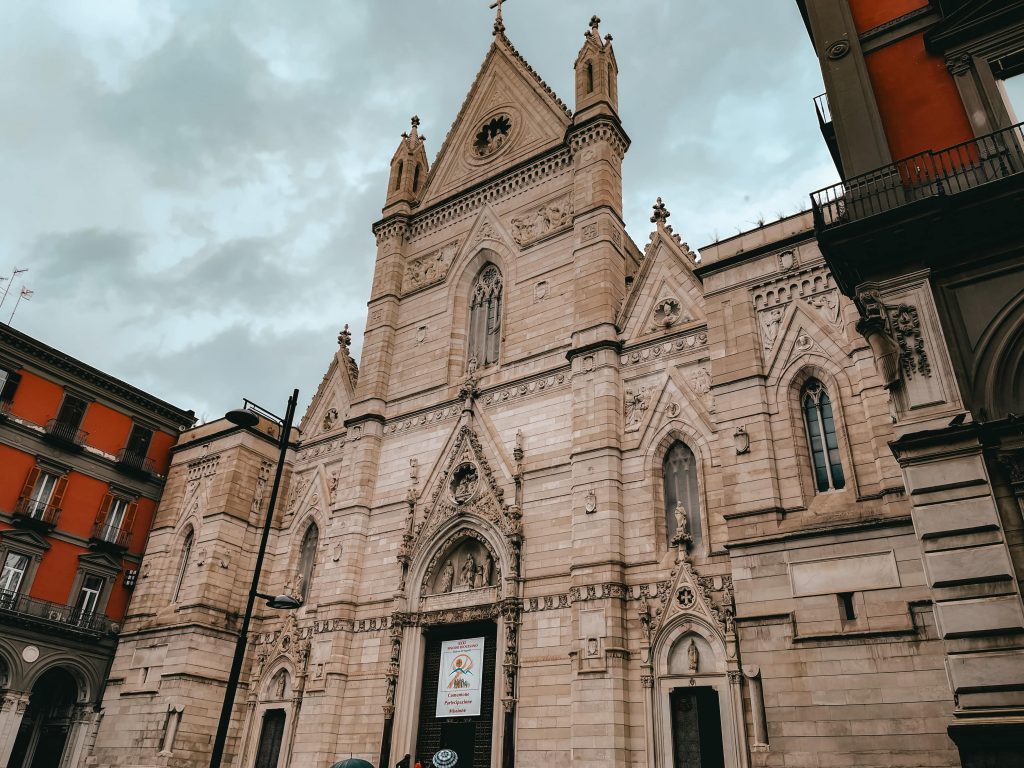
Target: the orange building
pixel 82 464
pixel 921 114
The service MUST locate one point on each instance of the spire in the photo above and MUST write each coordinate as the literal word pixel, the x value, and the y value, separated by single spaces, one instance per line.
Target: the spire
pixel 409 167
pixel 596 72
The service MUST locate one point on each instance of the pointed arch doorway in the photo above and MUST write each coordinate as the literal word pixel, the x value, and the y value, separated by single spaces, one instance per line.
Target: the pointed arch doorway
pixel 442 725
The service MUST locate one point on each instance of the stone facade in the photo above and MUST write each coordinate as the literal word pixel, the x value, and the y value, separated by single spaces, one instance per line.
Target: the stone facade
pixel 803 615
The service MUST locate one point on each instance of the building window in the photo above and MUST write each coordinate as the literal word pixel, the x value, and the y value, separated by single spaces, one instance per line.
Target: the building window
pixel 186 553
pixel 89 596
pixel 13 574
pixel 821 437
pixel 114 519
pixel 1013 95
pixel 42 495
pixel 72 411
pixel 307 560
pixel 138 441
pixel 8 384
pixel 682 498
pixel 485 318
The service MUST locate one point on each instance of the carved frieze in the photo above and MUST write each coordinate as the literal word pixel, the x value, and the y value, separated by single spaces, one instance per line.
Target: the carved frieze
pixel 429 269
pixel 542 220
pixel 524 388
pixel 405 423
pixel 682 344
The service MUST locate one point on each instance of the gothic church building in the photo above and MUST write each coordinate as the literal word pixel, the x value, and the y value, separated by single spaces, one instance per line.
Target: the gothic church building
pixel 581 503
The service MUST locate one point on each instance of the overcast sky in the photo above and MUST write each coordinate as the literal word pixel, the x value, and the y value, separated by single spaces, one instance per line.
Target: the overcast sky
pixel 192 184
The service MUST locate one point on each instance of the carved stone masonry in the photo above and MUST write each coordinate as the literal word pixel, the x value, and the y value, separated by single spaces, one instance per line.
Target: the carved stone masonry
pixel 431 268
pixel 542 220
pixel 636 402
pixel 906 325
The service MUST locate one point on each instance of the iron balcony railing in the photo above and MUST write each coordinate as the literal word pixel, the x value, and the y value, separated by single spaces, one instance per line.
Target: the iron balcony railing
pixel 63 432
pixel 113 535
pixel 65 617
pixel 30 509
pixel 134 462
pixel 928 174
pixel 821 107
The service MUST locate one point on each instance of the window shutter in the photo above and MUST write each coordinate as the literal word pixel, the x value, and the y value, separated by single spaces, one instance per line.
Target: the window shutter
pixel 104 510
pixel 58 491
pixel 129 516
pixel 30 482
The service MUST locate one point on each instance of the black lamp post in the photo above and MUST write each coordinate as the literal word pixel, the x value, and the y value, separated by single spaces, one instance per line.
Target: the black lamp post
pixel 250 417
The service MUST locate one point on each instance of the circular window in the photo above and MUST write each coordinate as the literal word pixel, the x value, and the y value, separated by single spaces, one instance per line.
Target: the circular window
pixel 492 136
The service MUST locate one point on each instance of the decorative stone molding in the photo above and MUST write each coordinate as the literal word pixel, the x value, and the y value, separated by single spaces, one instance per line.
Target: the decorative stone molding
pixel 958 64
pixel 543 220
pixel 393 229
pixel 601 130
pixel 524 389
pixel 692 340
pixel 406 423
pixel 204 467
pixel 430 269
pixel 501 188
pixel 319 449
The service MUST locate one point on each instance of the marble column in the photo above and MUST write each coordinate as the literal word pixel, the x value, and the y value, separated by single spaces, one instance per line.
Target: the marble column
pixel 12 708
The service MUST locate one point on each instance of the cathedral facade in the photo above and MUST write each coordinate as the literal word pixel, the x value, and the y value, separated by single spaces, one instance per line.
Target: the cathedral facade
pixel 581 503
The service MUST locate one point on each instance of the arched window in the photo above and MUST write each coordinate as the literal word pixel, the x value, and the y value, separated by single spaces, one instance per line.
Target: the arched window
pixel 398 176
pixel 307 559
pixel 821 436
pixel 186 553
pixel 590 77
pixel 416 179
pixel 485 317
pixel 680 475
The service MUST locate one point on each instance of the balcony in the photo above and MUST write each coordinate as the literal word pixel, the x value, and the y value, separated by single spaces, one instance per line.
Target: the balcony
pixel 133 463
pixel 111 537
pixel 828 129
pixel 949 172
pixel 932 210
pixel 29 513
pixel 64 434
pixel 53 616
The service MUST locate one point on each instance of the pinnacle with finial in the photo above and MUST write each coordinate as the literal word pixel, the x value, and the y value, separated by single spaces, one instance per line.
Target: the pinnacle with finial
pixel 595 22
pixel 345 338
pixel 661 213
pixel 499 24
pixel 415 121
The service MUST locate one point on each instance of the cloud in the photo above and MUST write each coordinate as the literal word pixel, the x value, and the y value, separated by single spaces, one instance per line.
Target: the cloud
pixel 192 185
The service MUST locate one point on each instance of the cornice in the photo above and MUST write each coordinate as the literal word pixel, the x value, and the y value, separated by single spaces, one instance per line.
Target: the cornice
pixel 65 368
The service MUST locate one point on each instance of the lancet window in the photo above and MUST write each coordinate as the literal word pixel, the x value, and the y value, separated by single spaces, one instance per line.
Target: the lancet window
pixel 307 559
pixel 485 318
pixel 821 437
pixel 186 553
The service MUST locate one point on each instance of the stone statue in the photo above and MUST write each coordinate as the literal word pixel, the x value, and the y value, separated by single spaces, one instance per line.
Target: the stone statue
pixel 468 571
pixel 692 656
pixel 682 535
pixel 488 568
pixel 447 577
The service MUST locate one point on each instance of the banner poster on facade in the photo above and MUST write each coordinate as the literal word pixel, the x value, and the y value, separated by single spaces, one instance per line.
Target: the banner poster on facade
pixel 460 681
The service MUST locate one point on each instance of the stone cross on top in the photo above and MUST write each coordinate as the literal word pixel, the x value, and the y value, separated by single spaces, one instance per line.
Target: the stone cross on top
pixel 499 25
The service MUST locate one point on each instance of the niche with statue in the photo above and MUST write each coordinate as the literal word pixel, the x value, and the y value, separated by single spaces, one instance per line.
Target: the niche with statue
pixel 691 654
pixel 465 564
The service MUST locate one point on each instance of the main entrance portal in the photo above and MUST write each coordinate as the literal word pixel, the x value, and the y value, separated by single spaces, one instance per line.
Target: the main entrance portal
pixel 440 727
pixel 696 728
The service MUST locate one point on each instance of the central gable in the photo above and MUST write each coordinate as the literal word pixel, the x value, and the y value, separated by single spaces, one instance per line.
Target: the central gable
pixel 509 115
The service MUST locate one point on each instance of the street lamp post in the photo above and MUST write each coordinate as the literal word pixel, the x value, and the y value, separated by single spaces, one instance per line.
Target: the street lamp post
pixel 249 417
